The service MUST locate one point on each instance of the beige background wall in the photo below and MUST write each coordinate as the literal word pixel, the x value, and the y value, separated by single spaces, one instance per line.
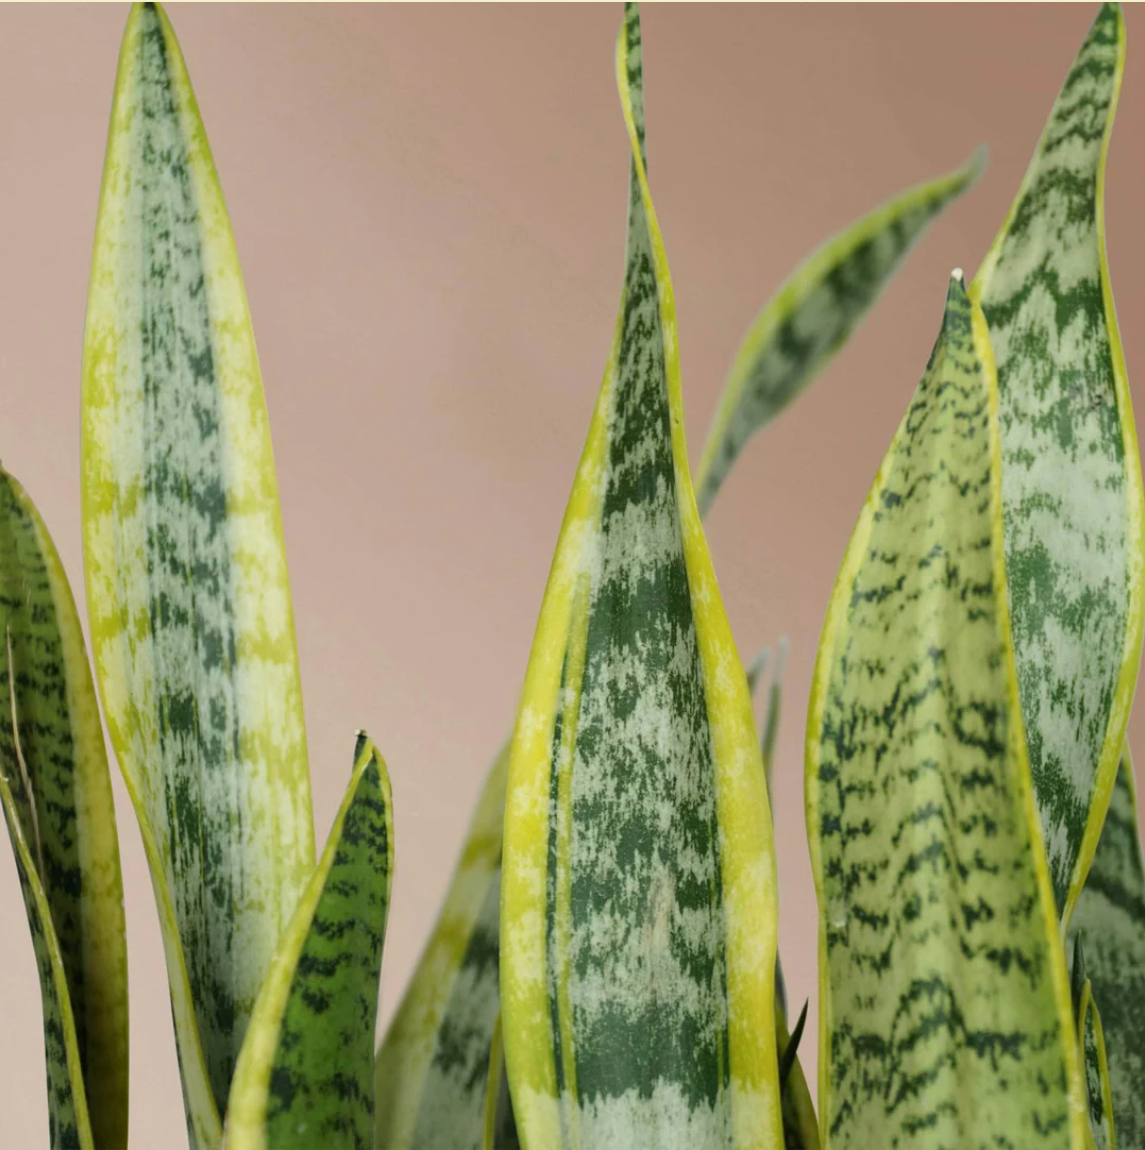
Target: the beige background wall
pixel 429 205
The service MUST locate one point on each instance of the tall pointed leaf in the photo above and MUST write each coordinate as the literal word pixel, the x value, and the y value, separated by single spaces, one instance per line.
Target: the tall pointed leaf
pixel 1111 915
pixel 186 572
pixel 944 1001
pixel 57 799
pixel 305 1075
pixel 813 314
pixel 1071 476
pixel 432 1066
pixel 638 918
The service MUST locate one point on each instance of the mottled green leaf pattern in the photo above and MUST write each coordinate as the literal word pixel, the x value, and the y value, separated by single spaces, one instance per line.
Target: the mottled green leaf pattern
pixel 1091 1046
pixel 1111 916
pixel 638 897
pixel 945 1011
pixel 1071 477
pixel 813 314
pixel 57 798
pixel 305 1077
pixel 432 1067
pixel 186 573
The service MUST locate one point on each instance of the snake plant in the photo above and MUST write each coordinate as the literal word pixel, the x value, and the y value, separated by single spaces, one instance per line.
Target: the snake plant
pixel 604 972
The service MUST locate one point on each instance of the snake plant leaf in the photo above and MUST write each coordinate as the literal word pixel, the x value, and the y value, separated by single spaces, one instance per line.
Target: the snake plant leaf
pixel 1091 1047
pixel 500 1126
pixel 305 1077
pixel 944 998
pixel 57 799
pixel 638 905
pixel 1111 915
pixel 813 314
pixel 1071 475
pixel 187 588
pixel 433 1064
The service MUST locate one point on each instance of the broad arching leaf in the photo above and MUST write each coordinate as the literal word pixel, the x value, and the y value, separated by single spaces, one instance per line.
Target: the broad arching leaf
pixel 638 907
pixel 944 999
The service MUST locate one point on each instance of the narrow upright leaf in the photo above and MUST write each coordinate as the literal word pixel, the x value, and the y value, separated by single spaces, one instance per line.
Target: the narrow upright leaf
pixel 432 1067
pixel 305 1077
pixel 1071 475
pixel 638 913
pixel 813 314
pixel 944 1000
pixel 500 1126
pixel 1091 1050
pixel 1111 915
pixel 57 798
pixel 186 574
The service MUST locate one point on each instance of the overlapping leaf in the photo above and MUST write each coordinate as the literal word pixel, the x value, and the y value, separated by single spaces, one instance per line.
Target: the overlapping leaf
pixel 305 1075
pixel 1091 1051
pixel 1071 475
pixel 791 341
pixel 56 794
pixel 1110 916
pixel 186 575
pixel 813 314
pixel 638 916
pixel 944 1000
pixel 433 1064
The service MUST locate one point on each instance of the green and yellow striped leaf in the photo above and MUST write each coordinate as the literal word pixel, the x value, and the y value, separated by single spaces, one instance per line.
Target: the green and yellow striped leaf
pixel 945 1014
pixel 813 314
pixel 1091 1050
pixel 500 1131
pixel 638 907
pixel 57 800
pixel 305 1077
pixel 1071 476
pixel 187 588
pixel 800 1126
pixel 433 1064
pixel 1111 916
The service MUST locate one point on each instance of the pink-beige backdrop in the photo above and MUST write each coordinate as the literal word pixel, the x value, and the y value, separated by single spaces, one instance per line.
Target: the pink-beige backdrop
pixel 429 205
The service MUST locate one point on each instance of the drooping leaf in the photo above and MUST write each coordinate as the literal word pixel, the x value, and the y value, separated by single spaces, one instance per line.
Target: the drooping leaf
pixel 1071 475
pixel 187 588
pixel 1091 1050
pixel 813 314
pixel 57 799
pixel 305 1077
pixel 1111 914
pixel 638 908
pixel 944 998
pixel 433 1064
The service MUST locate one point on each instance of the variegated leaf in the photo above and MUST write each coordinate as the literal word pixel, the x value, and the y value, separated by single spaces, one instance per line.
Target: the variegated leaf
pixel 305 1077
pixel 57 799
pixel 1071 475
pixel 800 1127
pixel 638 909
pixel 500 1126
pixel 944 1003
pixel 813 314
pixel 433 1064
pixel 1111 916
pixel 187 588
pixel 1091 1050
